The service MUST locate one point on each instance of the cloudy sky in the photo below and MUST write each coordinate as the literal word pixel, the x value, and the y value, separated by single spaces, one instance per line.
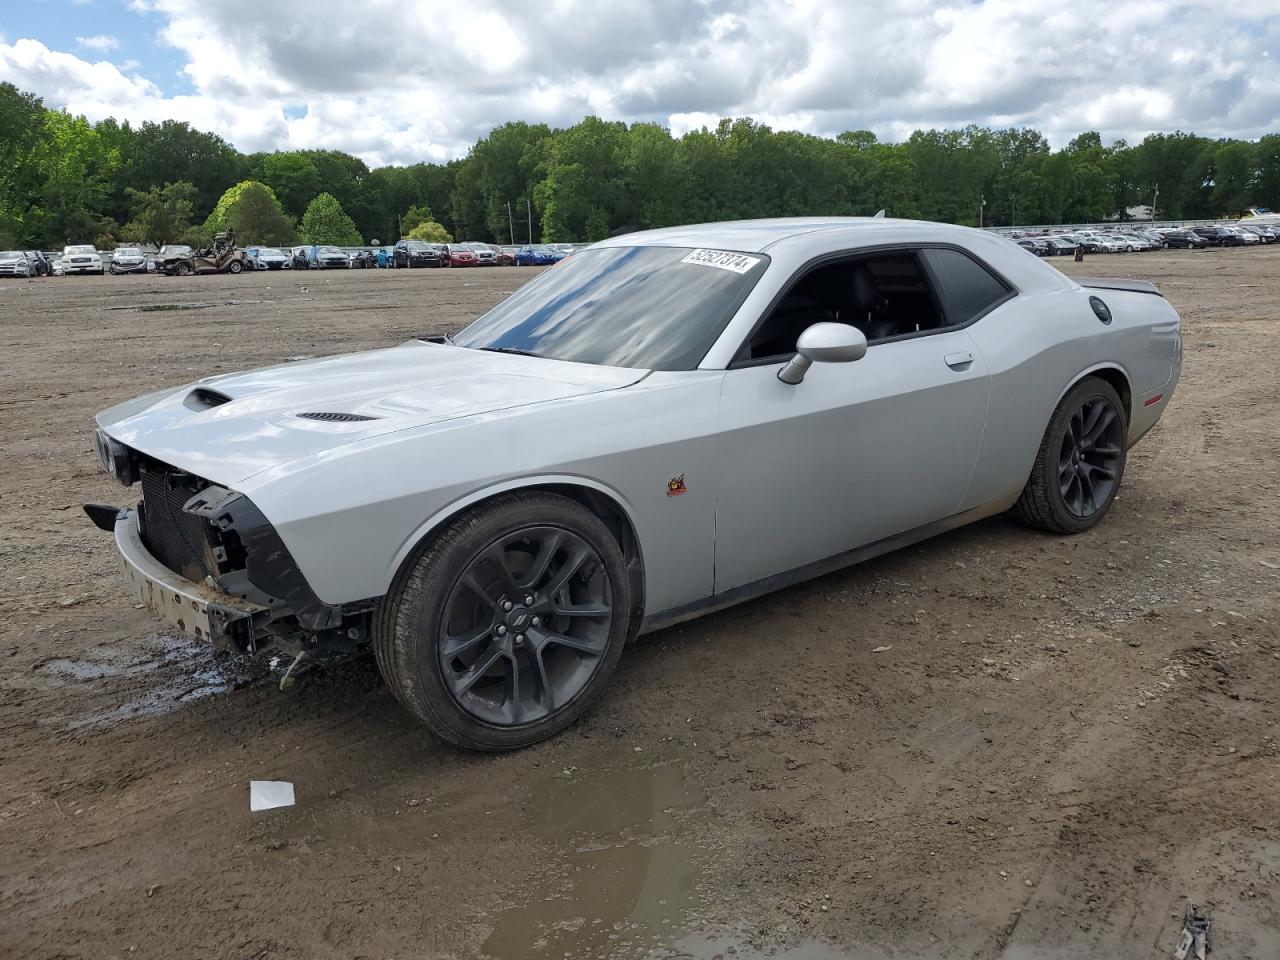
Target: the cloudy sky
pixel 398 81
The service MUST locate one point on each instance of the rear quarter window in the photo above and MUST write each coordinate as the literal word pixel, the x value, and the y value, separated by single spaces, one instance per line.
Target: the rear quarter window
pixel 966 288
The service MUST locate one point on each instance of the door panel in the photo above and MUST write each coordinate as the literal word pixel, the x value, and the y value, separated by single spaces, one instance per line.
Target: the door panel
pixel 856 453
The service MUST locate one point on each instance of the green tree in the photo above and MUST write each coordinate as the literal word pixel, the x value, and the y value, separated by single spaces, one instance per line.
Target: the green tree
pixel 293 176
pixel 255 213
pixel 1267 163
pixel 76 170
pixel 418 213
pixel 162 214
pixel 430 231
pixel 326 222
pixel 172 151
pixel 1233 177
pixel 22 131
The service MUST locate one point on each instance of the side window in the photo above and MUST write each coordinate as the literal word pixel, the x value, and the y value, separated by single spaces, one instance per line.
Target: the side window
pixel 966 288
pixel 884 295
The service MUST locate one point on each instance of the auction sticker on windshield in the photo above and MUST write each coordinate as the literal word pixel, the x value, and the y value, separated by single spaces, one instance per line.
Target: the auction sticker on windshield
pixel 724 259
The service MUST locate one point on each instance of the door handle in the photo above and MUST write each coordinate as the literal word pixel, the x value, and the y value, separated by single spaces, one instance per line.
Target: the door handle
pixel 958 361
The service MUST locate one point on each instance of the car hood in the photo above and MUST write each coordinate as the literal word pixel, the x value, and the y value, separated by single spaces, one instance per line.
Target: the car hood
pixel 228 428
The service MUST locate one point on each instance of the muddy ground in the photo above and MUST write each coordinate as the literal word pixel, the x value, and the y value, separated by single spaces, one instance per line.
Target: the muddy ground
pixel 1066 741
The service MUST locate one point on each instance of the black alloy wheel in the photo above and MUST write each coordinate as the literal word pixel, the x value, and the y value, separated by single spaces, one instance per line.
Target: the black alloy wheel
pixel 1090 459
pixel 525 625
pixel 509 621
pixel 1080 463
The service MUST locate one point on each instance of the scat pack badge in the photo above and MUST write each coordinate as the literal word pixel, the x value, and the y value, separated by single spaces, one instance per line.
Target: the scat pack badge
pixel 675 486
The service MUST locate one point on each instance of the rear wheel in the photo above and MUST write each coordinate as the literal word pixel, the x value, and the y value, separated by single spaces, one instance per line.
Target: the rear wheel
pixel 183 270
pixel 235 266
pixel 508 624
pixel 1080 462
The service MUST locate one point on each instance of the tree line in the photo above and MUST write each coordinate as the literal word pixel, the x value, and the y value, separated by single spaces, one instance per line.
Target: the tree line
pixel 66 180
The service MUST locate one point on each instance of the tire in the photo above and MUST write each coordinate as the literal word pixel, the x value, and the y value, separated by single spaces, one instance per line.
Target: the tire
pixel 454 588
pixel 1052 500
pixel 183 270
pixel 235 266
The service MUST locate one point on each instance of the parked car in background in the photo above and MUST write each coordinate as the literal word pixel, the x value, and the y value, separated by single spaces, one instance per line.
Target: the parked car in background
pixel 419 253
pixel 1217 236
pixel 1263 233
pixel 1183 239
pixel 206 260
pixel 16 263
pixel 269 258
pixel 81 258
pixel 507 256
pixel 536 256
pixel 486 256
pixel 127 260
pixel 44 267
pixel 1034 245
pixel 460 255
pixel 1064 246
pixel 564 249
pixel 327 258
pixel 1246 236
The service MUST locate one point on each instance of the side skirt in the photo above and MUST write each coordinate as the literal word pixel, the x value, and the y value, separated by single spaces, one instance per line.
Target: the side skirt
pixel 810 571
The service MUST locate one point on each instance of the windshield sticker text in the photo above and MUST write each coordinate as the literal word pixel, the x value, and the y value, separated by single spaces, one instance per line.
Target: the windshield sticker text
pixel 724 259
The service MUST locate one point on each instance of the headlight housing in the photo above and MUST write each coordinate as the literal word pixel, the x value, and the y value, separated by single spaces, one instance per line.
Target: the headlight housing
pixel 115 458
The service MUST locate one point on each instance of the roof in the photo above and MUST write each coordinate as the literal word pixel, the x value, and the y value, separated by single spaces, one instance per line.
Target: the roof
pixel 756 236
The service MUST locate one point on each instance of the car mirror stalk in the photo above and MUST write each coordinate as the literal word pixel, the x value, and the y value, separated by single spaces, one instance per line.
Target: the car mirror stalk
pixel 824 343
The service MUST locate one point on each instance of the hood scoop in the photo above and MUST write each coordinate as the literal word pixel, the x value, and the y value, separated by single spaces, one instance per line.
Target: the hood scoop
pixel 202 398
pixel 334 417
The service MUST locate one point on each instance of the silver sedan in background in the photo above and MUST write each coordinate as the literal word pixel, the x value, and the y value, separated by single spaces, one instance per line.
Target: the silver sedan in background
pixel 664 424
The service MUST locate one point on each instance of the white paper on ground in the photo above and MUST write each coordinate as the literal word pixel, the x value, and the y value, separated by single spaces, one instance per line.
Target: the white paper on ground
pixel 269 794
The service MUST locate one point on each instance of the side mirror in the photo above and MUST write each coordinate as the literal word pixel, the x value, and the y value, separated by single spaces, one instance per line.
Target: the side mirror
pixel 824 343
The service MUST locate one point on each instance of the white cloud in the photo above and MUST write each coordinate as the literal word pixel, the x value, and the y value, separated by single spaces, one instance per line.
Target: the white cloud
pixel 402 82
pixel 102 42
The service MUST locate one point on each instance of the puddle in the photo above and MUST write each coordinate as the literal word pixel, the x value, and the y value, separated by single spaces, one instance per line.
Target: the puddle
pixel 176 670
pixel 623 879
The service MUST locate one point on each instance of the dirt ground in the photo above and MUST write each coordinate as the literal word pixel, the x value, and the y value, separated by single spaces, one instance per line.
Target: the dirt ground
pixel 1066 741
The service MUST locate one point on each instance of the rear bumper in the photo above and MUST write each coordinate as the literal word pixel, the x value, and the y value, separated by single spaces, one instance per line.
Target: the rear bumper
pixel 193 608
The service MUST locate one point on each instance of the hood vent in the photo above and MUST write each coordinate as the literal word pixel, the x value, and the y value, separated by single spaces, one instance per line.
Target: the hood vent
pixel 202 398
pixel 331 417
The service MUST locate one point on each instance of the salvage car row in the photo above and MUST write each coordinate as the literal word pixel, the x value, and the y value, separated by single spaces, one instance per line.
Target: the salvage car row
pixel 1136 239
pixel 183 260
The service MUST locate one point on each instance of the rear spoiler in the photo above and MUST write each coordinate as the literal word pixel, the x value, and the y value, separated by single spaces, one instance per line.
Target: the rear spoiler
pixel 1108 283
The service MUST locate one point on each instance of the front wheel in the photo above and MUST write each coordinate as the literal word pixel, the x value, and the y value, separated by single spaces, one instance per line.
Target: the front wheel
pixel 1080 463
pixel 235 266
pixel 508 624
pixel 183 270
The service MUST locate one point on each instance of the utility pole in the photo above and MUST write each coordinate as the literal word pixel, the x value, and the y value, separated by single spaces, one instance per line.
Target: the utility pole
pixel 528 206
pixel 982 207
pixel 1154 197
pixel 511 224
pixel 1013 210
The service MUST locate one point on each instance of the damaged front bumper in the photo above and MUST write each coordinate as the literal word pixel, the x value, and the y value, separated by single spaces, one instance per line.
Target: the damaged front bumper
pixel 197 609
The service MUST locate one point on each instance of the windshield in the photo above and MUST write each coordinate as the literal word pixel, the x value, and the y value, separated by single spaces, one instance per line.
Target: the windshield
pixel 331 251
pixel 11 254
pixel 655 308
pixel 417 246
pixel 269 252
pixel 128 252
pixel 82 248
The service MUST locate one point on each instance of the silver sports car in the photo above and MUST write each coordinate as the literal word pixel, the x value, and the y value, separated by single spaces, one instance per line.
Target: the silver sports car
pixel 664 424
